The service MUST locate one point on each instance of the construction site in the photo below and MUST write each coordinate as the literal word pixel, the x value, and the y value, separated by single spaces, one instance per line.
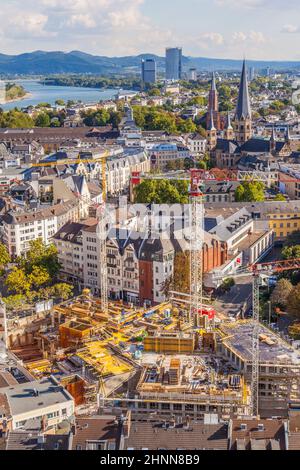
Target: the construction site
pixel 181 358
pixel 156 361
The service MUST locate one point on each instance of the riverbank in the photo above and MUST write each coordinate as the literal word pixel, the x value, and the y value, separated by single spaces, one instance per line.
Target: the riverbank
pixel 50 94
pixel 27 96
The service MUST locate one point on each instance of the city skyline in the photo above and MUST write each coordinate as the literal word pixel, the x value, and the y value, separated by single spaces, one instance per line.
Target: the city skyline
pixel 219 28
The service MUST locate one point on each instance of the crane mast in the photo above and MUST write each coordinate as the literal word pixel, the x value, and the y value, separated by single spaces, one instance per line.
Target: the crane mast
pixel 102 227
pixel 255 346
pixel 196 245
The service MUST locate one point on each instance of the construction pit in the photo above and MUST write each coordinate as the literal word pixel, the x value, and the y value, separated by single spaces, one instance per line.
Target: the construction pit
pixel 155 360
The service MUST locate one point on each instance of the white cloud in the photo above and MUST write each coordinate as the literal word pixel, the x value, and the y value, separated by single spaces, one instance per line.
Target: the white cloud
pixel 214 38
pixel 124 27
pixel 32 24
pixel 290 29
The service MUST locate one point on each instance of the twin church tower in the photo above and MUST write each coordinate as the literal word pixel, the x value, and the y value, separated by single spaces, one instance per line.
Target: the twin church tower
pixel 241 129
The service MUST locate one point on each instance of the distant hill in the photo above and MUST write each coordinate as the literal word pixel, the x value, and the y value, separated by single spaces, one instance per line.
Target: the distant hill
pixel 45 63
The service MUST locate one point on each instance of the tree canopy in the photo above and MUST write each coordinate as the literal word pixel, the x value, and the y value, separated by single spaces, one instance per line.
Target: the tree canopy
pixel 281 292
pixel 33 278
pixel 250 191
pixel 162 192
pixel 293 302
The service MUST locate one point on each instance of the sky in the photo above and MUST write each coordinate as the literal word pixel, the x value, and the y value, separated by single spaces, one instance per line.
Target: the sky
pixel 257 29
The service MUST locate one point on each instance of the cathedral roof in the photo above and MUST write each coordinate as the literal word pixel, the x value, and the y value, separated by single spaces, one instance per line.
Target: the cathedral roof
pixel 227 146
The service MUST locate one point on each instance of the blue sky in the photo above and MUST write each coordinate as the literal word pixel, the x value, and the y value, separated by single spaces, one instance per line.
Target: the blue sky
pixel 259 29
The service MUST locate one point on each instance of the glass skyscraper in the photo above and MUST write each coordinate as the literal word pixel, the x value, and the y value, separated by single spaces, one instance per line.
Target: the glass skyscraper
pixel 149 71
pixel 174 63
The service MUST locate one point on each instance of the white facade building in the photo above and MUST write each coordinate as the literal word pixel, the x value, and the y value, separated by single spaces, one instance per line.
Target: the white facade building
pixel 43 399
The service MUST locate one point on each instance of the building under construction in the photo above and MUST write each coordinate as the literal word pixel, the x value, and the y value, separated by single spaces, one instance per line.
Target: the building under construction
pixel 155 360
pixel 185 385
pixel 279 365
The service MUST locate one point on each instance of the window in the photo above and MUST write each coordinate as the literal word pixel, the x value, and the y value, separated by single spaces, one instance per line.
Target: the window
pixel 95 445
pixel 177 407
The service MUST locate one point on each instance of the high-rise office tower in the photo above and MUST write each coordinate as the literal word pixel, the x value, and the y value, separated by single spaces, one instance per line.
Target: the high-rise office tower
pixel 174 63
pixel 149 71
pixel 252 74
pixel 192 75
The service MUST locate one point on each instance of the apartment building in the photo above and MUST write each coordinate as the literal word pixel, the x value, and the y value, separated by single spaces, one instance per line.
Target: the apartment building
pixel 289 180
pixel 283 218
pixel 120 168
pixel 247 240
pixel 69 242
pixel 138 265
pixel 21 227
pixel 42 400
pixel 163 153
pixel 196 144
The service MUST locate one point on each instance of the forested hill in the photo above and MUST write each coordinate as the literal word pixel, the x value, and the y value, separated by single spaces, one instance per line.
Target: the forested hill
pixel 45 63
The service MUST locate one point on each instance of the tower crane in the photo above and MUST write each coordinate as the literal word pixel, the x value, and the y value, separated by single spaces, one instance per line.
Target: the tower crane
pixel 197 179
pixel 260 273
pixel 102 226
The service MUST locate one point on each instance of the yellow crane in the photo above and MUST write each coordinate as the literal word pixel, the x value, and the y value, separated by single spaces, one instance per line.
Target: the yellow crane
pixel 78 161
pixel 102 222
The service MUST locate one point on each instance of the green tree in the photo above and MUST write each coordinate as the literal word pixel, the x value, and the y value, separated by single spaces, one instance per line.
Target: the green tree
pixel 42 120
pixel 15 119
pixel 55 122
pixel 41 255
pixel 250 191
pixel 4 256
pixel 162 192
pixel 154 92
pixel 228 284
pixel 186 126
pixel 281 292
pixel 293 302
pixel 17 282
pixel 59 102
pixel 291 252
pixel 63 291
pixel 39 277
pixel 14 302
pixel 280 197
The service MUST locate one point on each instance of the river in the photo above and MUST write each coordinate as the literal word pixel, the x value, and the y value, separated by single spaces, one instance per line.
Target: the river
pixel 49 94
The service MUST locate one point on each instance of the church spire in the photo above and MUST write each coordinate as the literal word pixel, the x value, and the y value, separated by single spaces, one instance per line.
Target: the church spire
pixel 213 104
pixel 213 82
pixel 228 131
pixel 243 110
pixel 228 123
pixel 211 133
pixel 243 115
